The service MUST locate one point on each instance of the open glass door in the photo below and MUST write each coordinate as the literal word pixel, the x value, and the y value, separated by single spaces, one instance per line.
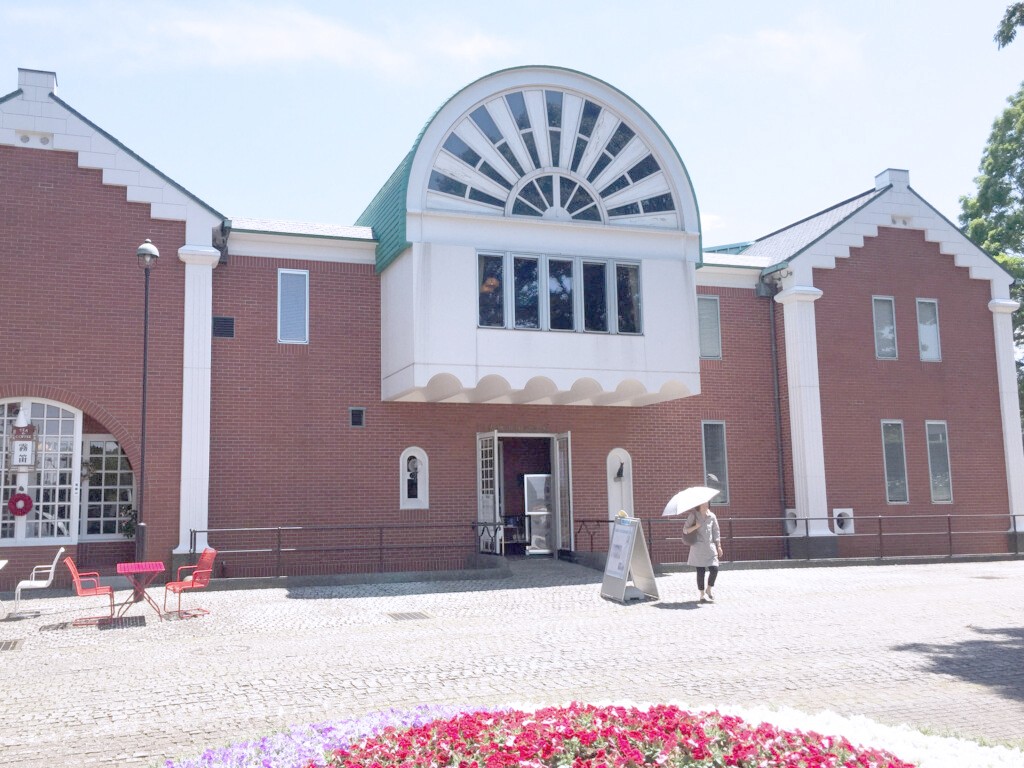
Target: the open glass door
pixel 489 529
pixel 561 462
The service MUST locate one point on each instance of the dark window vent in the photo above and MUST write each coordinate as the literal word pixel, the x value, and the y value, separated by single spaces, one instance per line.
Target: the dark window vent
pixel 223 327
pixel 410 616
pixel 357 417
pixel 11 645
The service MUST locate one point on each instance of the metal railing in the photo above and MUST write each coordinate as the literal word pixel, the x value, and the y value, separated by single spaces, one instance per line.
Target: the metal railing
pixel 874 536
pixel 376 540
pixel 753 538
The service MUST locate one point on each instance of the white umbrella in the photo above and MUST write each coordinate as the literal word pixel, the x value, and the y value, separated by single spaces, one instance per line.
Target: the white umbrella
pixel 688 499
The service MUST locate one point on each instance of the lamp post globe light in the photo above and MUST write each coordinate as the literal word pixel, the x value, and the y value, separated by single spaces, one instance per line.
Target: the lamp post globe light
pixel 147 254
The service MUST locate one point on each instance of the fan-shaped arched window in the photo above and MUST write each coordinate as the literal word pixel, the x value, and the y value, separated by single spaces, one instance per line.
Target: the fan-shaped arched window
pixel 552 154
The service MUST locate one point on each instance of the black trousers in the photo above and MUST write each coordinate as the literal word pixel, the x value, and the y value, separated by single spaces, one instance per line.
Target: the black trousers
pixel 711 577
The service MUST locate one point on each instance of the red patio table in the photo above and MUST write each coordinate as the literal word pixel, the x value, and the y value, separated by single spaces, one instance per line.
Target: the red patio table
pixel 140 575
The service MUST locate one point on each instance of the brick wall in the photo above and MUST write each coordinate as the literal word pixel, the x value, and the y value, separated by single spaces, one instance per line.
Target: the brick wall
pixel 283 453
pixel 859 391
pixel 73 317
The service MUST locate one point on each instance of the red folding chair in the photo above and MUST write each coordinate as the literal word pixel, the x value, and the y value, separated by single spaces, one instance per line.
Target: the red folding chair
pixel 96 589
pixel 199 578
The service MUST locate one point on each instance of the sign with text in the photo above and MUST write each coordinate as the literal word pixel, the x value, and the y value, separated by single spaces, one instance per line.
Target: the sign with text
pixel 628 558
pixel 23 447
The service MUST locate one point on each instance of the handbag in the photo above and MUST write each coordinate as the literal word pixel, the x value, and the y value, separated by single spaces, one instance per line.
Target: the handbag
pixel 690 538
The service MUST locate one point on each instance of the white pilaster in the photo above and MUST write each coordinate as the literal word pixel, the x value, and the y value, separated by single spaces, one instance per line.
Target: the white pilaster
pixel 1009 404
pixel 805 405
pixel 195 395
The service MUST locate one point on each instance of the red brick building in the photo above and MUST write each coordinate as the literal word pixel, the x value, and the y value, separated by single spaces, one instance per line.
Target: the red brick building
pixel 524 307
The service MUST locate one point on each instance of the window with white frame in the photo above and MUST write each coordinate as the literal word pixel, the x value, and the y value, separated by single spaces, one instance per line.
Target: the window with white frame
pixel 108 487
pixel 884 314
pixel 938 462
pixel 558 293
pixel 709 327
pixel 895 462
pixel 716 464
pixel 414 470
pixel 928 330
pixel 293 306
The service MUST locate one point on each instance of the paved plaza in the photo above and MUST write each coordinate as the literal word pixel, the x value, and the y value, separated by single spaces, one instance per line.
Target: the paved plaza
pixel 937 646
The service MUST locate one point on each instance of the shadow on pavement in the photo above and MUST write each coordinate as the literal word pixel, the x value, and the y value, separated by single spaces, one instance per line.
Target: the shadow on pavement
pixel 518 573
pixel 992 660
pixel 690 605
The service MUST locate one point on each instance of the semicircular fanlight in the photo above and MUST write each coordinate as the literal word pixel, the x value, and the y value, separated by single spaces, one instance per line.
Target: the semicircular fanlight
pixel 546 153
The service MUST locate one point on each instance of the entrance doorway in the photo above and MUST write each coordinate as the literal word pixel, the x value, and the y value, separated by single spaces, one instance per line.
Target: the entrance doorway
pixel 524 492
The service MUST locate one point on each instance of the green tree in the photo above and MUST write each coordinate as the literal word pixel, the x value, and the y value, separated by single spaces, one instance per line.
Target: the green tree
pixel 994 217
pixel 1013 18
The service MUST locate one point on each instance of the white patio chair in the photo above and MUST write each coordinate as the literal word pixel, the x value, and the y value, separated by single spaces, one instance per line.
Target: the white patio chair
pixel 41 578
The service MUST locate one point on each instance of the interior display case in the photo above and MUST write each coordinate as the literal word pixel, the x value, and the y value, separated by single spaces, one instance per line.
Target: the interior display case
pixel 538 503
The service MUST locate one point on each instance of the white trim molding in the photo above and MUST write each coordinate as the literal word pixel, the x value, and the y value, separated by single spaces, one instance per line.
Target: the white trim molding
pixel 805 406
pixel 1009 404
pixel 195 393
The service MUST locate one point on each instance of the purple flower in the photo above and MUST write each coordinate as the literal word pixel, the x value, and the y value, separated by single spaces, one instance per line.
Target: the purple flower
pixel 302 743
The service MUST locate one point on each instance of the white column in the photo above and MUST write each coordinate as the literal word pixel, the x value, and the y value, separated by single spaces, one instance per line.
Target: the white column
pixel 195 393
pixel 1009 405
pixel 805 405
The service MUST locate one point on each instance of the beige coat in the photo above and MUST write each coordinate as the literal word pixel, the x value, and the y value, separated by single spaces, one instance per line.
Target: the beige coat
pixel 704 552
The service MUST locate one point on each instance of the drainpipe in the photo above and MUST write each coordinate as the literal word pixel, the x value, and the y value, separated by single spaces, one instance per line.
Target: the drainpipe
pixel 767 288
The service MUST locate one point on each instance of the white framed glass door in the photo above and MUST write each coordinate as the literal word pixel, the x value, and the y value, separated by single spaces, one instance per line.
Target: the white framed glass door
pixel 561 461
pixel 52 482
pixel 489 532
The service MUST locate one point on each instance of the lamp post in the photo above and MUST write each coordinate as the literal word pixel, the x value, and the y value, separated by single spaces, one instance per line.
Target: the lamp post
pixel 147 254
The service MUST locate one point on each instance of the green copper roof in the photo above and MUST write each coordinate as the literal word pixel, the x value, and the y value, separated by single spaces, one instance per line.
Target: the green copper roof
pixel 11 95
pixel 387 211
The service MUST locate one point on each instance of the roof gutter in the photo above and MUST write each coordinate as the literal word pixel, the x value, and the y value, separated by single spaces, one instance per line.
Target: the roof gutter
pixel 767 271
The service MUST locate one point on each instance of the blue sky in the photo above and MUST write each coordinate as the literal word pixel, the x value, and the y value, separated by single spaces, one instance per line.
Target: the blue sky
pixel 302 110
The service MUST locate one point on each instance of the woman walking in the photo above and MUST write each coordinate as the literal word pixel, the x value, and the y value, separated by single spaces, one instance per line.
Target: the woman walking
pixel 706 550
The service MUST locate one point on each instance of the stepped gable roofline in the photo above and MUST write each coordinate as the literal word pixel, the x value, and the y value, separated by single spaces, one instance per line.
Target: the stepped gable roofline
pixel 776 249
pixel 135 156
pixel 976 247
pixel 387 211
pixel 784 245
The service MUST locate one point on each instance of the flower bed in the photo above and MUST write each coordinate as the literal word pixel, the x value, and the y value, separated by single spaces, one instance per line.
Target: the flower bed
pixel 583 736
pixel 555 737
pixel 312 745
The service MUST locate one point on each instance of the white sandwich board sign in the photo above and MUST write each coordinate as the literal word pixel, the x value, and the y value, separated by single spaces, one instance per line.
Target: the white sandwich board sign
pixel 628 559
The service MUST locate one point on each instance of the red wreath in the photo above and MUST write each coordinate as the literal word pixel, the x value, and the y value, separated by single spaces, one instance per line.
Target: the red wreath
pixel 19 504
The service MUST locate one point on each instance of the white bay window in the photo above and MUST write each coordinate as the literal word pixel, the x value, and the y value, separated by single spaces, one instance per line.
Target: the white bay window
pixel 608 290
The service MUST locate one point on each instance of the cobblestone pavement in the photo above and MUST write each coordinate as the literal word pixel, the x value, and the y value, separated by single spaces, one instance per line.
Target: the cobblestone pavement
pixel 937 646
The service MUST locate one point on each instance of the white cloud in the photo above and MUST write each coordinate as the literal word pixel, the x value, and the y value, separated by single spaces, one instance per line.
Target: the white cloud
pixel 148 35
pixel 813 47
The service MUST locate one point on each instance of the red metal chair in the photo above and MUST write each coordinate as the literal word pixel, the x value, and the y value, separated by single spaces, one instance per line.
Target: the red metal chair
pixel 198 579
pixel 96 589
